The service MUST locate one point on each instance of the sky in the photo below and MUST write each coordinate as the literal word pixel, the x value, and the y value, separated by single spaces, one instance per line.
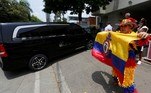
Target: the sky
pixel 38 5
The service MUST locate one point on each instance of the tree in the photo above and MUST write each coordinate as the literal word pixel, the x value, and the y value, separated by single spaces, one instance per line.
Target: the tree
pixel 26 5
pixel 5 5
pixel 57 17
pixel 13 11
pixel 64 19
pixel 18 12
pixel 35 19
pixel 76 6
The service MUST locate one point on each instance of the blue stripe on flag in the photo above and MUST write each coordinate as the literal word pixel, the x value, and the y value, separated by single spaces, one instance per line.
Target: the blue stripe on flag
pixel 132 54
pixel 98 47
pixel 118 63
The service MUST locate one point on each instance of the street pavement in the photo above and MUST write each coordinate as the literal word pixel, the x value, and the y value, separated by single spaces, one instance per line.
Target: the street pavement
pixel 25 81
pixel 77 72
pixel 84 74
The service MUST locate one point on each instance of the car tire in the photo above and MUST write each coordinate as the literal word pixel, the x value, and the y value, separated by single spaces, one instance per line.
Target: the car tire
pixel 37 62
pixel 89 44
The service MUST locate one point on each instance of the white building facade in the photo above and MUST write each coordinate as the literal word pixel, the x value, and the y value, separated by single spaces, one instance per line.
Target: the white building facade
pixel 116 10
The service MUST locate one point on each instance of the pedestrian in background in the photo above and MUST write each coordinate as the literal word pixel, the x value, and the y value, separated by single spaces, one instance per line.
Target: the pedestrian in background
pixel 142 22
pixel 141 48
pixel 142 27
pixel 108 27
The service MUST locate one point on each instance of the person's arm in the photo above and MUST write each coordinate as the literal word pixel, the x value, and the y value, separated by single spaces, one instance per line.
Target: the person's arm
pixel 145 37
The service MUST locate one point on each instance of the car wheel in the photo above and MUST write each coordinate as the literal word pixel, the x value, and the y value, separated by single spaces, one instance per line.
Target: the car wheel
pixel 38 62
pixel 89 44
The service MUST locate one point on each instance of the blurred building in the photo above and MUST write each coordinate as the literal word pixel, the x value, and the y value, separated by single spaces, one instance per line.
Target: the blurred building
pixel 116 10
pixel 86 21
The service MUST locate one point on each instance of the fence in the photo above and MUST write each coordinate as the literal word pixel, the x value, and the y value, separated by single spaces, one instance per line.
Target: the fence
pixel 148 57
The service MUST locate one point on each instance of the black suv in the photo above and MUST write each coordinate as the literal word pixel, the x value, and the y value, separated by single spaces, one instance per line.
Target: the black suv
pixel 33 44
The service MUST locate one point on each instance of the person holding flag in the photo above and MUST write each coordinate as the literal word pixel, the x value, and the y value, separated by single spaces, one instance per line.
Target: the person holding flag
pixel 117 49
pixel 134 21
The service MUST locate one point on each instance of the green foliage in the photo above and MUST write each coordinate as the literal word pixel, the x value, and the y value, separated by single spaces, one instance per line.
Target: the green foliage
pixel 35 19
pixel 64 19
pixel 76 6
pixel 59 18
pixel 13 11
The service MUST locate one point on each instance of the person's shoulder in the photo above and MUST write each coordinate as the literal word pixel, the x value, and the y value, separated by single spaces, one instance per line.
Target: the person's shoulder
pixel 132 19
pixel 110 25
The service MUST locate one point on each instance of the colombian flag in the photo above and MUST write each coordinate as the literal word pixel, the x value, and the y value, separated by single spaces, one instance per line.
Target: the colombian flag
pixel 114 49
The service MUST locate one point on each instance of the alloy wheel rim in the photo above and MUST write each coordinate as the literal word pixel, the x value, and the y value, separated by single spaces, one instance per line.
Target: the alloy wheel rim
pixel 90 45
pixel 39 62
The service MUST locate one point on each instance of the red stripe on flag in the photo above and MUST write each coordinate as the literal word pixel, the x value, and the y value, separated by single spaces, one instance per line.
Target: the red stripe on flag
pixel 131 62
pixel 119 75
pixel 101 57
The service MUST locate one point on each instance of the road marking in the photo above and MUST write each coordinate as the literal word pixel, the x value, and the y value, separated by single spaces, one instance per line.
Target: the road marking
pixel 64 88
pixel 37 83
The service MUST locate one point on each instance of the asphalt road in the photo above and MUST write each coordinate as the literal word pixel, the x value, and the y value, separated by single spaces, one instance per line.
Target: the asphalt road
pixel 25 81
pixel 76 72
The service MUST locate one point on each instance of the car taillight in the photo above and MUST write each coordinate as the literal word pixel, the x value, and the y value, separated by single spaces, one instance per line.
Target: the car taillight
pixel 2 51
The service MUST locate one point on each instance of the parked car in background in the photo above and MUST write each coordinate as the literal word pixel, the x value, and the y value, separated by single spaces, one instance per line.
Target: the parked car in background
pixel 33 44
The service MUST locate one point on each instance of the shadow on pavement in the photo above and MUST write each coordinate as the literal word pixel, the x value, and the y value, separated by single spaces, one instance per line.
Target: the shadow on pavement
pixel 64 56
pixel 23 71
pixel 16 73
pixel 99 77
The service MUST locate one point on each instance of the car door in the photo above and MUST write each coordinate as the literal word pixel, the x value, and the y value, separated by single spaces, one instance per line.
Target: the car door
pixel 56 42
pixel 62 40
pixel 77 35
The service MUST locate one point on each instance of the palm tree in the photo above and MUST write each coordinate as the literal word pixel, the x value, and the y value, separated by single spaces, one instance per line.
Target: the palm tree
pixel 27 6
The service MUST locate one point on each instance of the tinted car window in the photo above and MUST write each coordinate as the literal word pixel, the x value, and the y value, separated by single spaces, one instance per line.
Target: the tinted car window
pixel 75 30
pixel 79 30
pixel 44 31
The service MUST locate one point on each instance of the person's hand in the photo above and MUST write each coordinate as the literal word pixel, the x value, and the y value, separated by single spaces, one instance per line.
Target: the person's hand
pixel 143 35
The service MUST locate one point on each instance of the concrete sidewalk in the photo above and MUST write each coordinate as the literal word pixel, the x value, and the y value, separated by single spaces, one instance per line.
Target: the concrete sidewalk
pixel 48 81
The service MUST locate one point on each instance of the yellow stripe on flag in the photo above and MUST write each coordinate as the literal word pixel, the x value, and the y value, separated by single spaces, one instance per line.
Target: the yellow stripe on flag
pixel 101 37
pixel 119 44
